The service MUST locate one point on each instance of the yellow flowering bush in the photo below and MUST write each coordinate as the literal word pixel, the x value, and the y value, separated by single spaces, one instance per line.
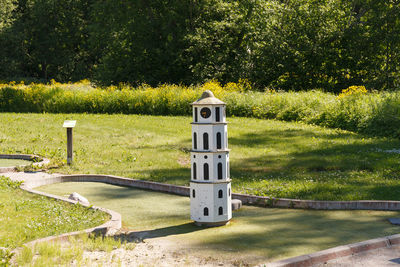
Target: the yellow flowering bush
pixel 361 114
pixel 353 90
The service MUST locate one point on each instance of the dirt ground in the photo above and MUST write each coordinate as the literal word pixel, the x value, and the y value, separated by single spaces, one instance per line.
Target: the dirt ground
pixel 159 252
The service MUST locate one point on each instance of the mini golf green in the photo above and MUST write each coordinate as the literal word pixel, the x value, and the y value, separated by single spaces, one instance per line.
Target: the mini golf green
pixel 254 235
pixel 13 162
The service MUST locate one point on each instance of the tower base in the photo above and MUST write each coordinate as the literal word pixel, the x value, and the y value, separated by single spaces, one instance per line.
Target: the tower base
pixel 211 224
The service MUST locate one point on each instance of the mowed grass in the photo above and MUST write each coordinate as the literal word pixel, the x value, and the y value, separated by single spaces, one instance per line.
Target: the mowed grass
pixel 25 217
pixel 254 235
pixel 13 162
pixel 268 157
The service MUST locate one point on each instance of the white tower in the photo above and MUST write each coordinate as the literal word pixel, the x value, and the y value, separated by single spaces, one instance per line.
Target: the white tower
pixel 210 185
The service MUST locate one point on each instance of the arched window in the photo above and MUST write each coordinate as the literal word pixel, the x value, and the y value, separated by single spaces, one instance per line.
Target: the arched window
pixel 205 211
pixel 205 141
pixel 220 211
pixel 193 193
pixel 195 115
pixel 206 172
pixel 220 171
pixel 195 140
pixel 217 114
pixel 219 141
pixel 220 194
pixel 194 171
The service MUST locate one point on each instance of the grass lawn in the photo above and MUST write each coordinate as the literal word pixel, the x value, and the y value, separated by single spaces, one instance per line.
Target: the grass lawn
pixel 268 157
pixel 25 217
pixel 13 162
pixel 255 234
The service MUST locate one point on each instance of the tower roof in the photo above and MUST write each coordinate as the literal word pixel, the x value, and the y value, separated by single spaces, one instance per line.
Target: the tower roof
pixel 208 98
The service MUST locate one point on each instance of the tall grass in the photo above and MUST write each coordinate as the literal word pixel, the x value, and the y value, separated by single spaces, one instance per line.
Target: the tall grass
pixel 368 113
pixel 70 253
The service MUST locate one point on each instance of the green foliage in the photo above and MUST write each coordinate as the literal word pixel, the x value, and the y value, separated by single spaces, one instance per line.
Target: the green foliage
pixel 290 45
pixel 5 257
pixel 139 41
pixel 369 113
pixel 66 253
pixel 98 243
pixel 47 39
pixel 24 256
pixel 7 184
pixel 6 9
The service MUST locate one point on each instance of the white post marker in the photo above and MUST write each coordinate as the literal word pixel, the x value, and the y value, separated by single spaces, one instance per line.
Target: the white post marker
pixel 69 125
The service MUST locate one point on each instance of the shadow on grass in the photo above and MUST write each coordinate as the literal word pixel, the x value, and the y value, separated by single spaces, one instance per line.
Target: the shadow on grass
pixel 283 232
pixel 293 155
pixel 342 163
pixel 160 232
pixel 274 233
pixel 314 151
pixel 253 231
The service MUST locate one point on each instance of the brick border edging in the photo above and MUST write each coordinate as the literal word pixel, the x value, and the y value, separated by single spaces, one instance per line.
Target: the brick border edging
pixel 42 161
pixel 336 252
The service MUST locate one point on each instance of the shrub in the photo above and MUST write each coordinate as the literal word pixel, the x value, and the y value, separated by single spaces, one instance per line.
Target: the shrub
pixel 354 109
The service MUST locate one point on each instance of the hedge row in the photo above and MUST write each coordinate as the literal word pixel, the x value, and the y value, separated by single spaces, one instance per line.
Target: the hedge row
pixel 369 113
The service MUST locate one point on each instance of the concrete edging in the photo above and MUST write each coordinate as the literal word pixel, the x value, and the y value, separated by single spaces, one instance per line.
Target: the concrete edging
pixel 304 260
pixel 113 224
pixel 40 163
pixel 246 199
pixel 336 252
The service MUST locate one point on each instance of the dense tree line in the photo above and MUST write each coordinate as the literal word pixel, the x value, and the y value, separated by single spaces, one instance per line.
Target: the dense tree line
pixel 285 44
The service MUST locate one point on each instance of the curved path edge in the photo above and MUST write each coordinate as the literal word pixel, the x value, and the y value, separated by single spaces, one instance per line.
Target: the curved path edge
pixel 109 227
pixel 303 260
pixel 39 161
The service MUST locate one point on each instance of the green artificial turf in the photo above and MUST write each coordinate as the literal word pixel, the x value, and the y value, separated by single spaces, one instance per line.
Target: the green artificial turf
pixel 268 157
pixel 254 235
pixel 25 217
pixel 13 162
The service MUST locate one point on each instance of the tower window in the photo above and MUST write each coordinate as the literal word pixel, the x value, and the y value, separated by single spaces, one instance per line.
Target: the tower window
pixel 193 193
pixel 228 171
pixel 195 115
pixel 220 171
pixel 219 141
pixel 195 140
pixel 217 116
pixel 206 172
pixel 220 194
pixel 220 211
pixel 205 141
pixel 194 171
pixel 205 211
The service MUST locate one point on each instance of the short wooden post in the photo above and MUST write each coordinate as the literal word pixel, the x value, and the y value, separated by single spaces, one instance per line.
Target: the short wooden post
pixel 69 145
pixel 69 125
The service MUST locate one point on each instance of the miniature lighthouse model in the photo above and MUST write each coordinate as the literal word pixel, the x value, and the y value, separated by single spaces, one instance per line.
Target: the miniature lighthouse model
pixel 210 185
